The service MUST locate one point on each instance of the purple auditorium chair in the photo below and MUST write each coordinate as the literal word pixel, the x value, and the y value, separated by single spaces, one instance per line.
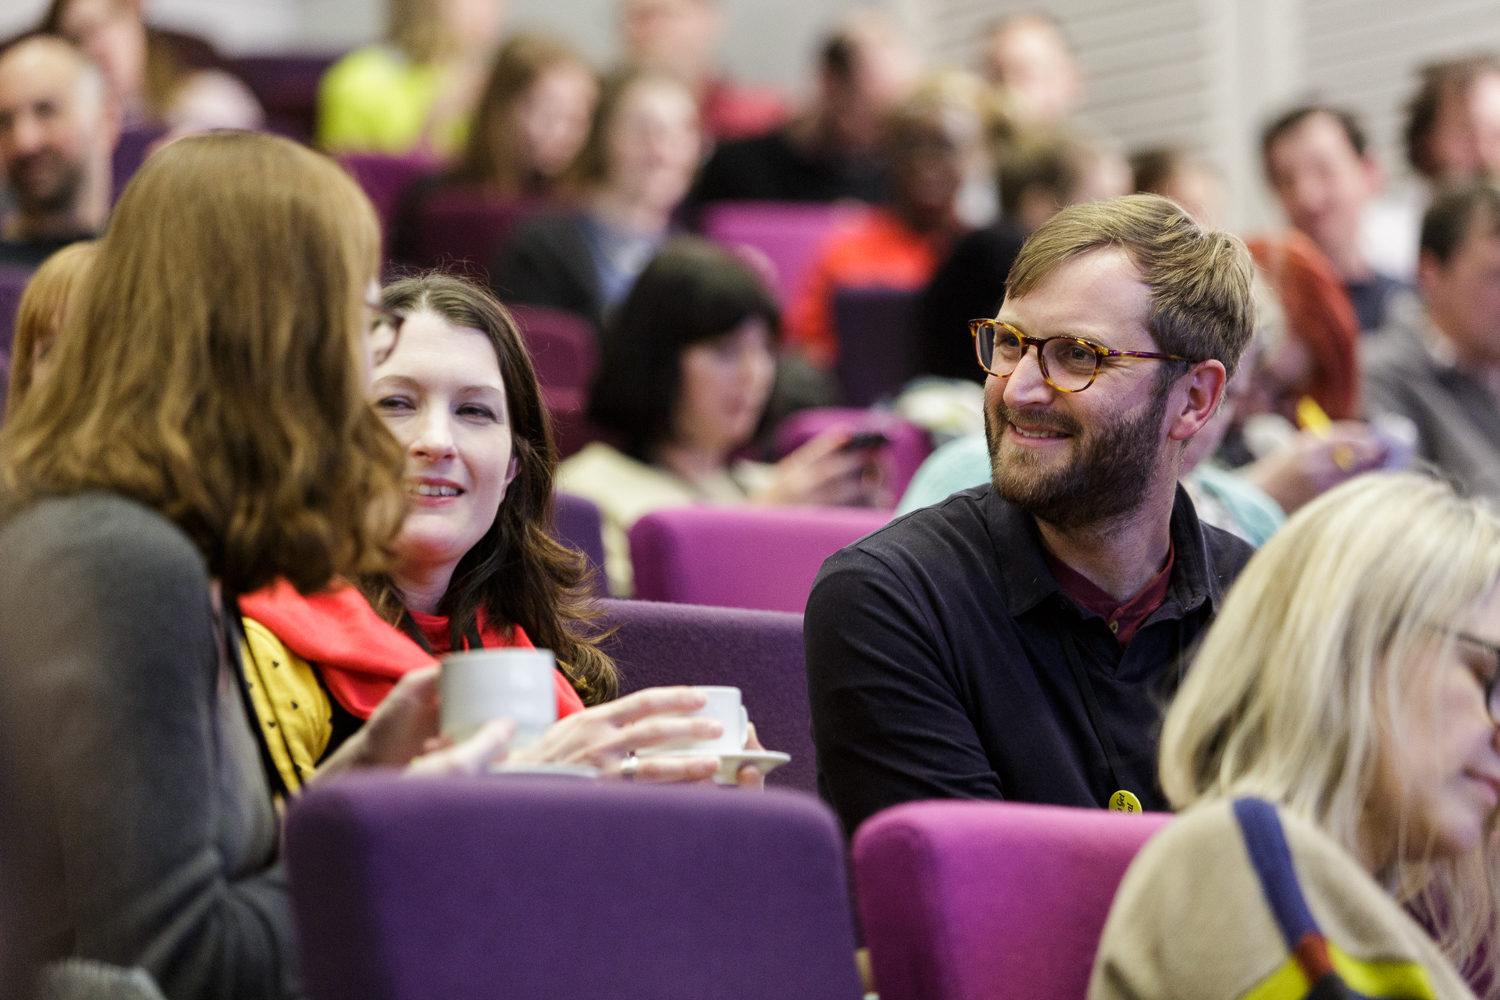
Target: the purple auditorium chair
pixel 577 523
pixel 741 557
pixel 787 232
pixel 462 229
pixel 878 348
pixel 287 88
pixel 386 178
pixel 131 150
pixel 990 900
pixel 533 888
pixel 564 348
pixel 910 445
pixel 12 283
pixel 759 652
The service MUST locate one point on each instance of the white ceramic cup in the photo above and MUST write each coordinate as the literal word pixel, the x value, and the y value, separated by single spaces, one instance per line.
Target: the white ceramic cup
pixel 724 705
pixel 485 684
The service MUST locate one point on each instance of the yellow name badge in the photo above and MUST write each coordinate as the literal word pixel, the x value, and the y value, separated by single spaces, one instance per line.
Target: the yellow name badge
pixel 1125 802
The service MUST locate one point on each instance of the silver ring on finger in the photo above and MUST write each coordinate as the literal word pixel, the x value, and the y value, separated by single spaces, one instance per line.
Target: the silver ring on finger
pixel 628 767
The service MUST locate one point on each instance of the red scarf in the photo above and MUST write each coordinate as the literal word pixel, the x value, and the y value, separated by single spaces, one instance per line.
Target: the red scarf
pixel 359 655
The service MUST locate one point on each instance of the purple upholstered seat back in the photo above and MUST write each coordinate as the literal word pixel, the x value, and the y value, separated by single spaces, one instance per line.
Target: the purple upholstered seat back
pixel 759 652
pixel 12 283
pixel 465 228
pixel 741 557
pixel 287 88
pixel 529 888
pixel 972 900
pixel 577 522
pixel 564 348
pixel 787 232
pixel 909 448
pixel 130 152
pixel 385 179
pixel 878 347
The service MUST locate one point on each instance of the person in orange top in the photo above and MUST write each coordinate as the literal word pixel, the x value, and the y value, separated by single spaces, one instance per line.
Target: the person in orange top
pixel 932 139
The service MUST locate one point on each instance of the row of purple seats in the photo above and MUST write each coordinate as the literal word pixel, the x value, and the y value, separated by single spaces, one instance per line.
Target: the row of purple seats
pixel 534 888
pixel 462 230
pixel 788 233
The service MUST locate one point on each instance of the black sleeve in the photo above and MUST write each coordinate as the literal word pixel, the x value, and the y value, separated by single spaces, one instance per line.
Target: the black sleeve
pixel 155 832
pixel 887 719
pixel 540 266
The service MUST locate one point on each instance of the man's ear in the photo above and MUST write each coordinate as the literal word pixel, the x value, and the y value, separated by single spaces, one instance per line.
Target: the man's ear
pixel 1200 391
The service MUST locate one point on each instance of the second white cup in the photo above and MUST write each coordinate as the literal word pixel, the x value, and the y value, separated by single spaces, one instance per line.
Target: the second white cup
pixel 724 705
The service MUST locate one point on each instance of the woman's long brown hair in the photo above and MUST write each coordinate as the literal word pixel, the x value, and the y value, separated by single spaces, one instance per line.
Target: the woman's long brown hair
pixel 214 368
pixel 490 157
pixel 517 573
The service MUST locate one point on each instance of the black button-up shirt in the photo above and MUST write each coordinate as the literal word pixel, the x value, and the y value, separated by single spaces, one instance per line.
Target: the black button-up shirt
pixel 936 667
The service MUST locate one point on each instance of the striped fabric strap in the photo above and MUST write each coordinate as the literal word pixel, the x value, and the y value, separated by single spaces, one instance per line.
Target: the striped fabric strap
pixel 1317 969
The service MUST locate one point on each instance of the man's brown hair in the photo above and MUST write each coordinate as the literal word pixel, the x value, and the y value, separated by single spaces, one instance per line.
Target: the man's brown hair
pixel 213 367
pixel 1199 278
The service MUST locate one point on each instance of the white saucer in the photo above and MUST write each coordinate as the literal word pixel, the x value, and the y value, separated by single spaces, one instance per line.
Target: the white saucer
pixel 730 764
pixel 547 770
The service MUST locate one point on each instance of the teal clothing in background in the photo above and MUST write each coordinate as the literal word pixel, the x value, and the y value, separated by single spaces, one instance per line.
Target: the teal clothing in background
pixel 1223 499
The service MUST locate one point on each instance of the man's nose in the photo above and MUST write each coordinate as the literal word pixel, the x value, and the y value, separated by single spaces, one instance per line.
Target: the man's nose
pixel 1025 386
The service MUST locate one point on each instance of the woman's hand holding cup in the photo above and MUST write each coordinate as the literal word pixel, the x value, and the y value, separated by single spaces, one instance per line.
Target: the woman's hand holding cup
pixel 605 736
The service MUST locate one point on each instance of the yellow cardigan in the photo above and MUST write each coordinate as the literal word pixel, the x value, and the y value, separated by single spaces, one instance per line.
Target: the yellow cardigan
pixel 292 708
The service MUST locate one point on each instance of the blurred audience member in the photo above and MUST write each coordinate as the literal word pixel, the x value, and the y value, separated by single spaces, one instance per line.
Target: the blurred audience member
pixel 950 654
pixel 1319 356
pixel 682 37
pixel 1440 365
pixel 44 308
pixel 532 119
pixel 1318 163
pixel 1453 122
pixel 1178 173
pixel 685 372
pixel 159 78
pixel 58 127
pixel 831 150
pixel 632 173
pixel 1042 173
pixel 531 122
pixel 1333 750
pixel 416 92
pixel 931 139
pixel 1029 56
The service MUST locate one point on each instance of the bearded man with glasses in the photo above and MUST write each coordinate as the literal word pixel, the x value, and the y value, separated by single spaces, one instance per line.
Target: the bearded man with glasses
pixel 1019 640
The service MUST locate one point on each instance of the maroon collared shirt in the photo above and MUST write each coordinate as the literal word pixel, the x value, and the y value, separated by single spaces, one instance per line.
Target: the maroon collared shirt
pixel 1122 619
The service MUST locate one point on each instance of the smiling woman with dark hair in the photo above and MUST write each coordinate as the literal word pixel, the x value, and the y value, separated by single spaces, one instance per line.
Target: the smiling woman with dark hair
pixel 685 373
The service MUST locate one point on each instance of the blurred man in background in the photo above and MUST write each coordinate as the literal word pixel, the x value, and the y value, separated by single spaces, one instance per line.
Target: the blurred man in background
pixel 58 128
pixel 682 37
pixel 831 150
pixel 1028 55
pixel 1319 164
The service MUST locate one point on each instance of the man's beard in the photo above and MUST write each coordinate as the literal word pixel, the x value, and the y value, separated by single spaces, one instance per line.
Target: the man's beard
pixel 58 193
pixel 1107 476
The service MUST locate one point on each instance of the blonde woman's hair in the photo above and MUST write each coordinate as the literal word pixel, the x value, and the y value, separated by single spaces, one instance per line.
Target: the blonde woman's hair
pixel 43 308
pixel 1299 679
pixel 214 369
